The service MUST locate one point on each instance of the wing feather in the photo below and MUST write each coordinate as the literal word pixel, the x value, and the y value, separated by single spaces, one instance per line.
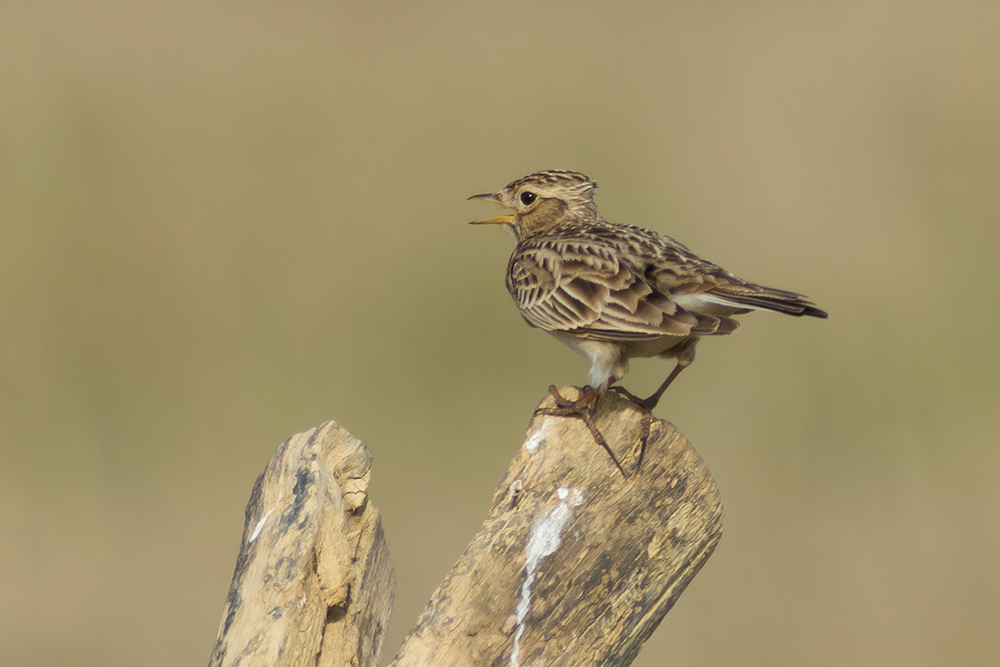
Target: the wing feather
pixel 587 287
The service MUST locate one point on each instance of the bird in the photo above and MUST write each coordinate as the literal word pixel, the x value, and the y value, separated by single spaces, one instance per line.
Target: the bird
pixel 615 292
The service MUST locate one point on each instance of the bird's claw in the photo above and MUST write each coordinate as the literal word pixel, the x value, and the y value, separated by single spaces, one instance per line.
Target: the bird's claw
pixel 578 409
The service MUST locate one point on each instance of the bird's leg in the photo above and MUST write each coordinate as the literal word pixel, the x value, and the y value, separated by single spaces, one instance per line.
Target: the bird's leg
pixel 650 403
pixel 647 420
pixel 579 409
pixel 653 400
pixel 685 356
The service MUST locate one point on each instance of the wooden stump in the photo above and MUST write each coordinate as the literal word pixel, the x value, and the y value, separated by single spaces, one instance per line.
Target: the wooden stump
pixel 313 582
pixel 575 564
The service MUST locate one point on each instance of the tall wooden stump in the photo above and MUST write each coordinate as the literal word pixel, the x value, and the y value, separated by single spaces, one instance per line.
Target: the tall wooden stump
pixel 575 564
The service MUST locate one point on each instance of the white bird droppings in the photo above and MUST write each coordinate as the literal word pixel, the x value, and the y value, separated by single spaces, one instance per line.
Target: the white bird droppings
pixel 537 438
pixel 259 527
pixel 544 538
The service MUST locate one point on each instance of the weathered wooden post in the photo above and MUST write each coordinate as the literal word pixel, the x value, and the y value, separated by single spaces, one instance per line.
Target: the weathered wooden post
pixel 576 563
pixel 313 584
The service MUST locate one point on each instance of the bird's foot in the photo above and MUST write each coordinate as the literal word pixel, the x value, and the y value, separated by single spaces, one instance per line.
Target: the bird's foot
pixel 646 405
pixel 587 396
pixel 579 409
pixel 625 393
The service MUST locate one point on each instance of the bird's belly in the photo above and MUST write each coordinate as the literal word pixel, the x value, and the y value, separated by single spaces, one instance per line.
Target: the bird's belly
pixel 606 357
pixel 610 358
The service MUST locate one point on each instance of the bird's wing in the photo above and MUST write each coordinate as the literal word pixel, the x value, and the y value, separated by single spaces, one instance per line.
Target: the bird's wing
pixel 704 287
pixel 589 288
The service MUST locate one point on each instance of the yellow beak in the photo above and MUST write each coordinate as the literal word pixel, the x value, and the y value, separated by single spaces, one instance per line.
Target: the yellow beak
pixel 500 219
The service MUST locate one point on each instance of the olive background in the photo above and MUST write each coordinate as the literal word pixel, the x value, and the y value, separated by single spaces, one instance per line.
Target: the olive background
pixel 224 223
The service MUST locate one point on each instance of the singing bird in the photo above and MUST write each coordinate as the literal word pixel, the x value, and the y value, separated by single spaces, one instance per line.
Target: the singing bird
pixel 615 292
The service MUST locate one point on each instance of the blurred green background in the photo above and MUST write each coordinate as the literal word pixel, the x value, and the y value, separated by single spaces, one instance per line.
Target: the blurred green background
pixel 224 223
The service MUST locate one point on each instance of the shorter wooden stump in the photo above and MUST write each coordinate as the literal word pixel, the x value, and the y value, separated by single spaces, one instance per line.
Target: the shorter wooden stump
pixel 313 584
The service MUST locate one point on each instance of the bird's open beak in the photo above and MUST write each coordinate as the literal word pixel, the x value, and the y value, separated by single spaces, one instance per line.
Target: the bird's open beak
pixel 500 219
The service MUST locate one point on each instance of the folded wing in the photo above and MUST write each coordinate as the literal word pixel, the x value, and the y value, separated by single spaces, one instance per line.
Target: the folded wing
pixel 587 289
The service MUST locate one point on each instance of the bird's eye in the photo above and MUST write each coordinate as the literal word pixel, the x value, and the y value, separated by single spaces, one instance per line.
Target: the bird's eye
pixel 528 197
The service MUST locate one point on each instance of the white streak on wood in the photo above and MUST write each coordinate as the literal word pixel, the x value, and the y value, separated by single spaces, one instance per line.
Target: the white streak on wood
pixel 260 526
pixel 537 437
pixel 544 538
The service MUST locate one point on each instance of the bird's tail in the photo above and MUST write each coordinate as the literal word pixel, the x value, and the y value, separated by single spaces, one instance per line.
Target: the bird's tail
pixel 766 298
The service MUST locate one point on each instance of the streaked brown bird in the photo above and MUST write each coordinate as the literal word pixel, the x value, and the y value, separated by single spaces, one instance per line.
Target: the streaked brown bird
pixel 614 292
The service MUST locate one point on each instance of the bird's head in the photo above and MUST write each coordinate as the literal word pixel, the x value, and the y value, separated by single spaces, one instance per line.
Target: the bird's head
pixel 543 200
